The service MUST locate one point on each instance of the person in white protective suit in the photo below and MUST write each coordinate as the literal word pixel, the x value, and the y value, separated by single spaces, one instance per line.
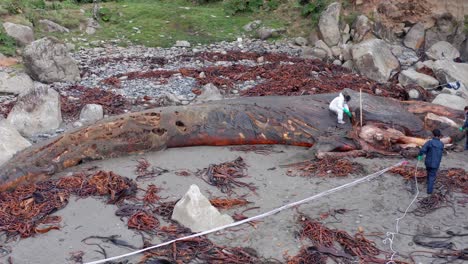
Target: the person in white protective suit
pixel 339 106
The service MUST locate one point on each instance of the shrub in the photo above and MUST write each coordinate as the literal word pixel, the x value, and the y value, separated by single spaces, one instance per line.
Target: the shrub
pixel 201 2
pixel 313 8
pixel 105 14
pixel 231 7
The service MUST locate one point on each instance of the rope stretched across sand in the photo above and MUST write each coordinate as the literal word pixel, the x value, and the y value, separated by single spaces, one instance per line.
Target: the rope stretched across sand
pixel 272 212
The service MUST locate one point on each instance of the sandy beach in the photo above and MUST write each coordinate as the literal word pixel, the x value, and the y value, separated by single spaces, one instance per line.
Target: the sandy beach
pixel 371 206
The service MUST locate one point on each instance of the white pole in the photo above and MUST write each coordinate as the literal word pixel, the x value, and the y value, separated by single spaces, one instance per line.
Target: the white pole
pixel 360 104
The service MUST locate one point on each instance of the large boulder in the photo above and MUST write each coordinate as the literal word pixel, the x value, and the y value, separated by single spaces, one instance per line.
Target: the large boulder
pixel 22 34
pixel 449 71
pixel 406 56
pixel 322 45
pixel 442 50
pixel 452 101
pixel 10 141
pixel 362 29
pixel 16 83
pixel 329 24
pixel 410 76
pixel 196 212
pixel 48 60
pixel 414 39
pixel 374 59
pixel 91 113
pixel 50 26
pixel 36 112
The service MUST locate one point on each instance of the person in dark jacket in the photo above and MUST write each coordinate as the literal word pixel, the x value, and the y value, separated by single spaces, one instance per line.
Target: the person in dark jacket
pixel 465 127
pixel 433 150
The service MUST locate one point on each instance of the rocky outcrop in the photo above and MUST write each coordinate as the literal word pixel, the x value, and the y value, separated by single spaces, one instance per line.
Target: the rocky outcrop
pixel 196 212
pixel 414 39
pixel 50 26
pixel 452 101
pixel 374 59
pixel 10 141
pixel 48 60
pixel 442 50
pixel 91 113
pixel 16 83
pixel 410 76
pixel 22 34
pixel 329 24
pixel 36 112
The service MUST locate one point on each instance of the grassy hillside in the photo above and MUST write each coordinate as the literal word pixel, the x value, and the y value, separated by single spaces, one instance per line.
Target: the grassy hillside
pixel 145 22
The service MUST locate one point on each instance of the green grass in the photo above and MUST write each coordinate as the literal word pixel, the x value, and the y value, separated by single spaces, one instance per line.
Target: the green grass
pixel 159 22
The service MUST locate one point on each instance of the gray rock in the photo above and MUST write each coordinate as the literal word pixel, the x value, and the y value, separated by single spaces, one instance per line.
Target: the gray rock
pixel 36 112
pixel 70 46
pixel 2 56
pixel 362 29
pixel 265 33
pixel 374 59
pixel 452 101
pixel 442 50
pixel 329 24
pixel 414 94
pixel 410 76
pixel 336 51
pixel 50 26
pixel 91 113
pixel 349 64
pixel 182 44
pixel 252 25
pixel 196 212
pixel 414 39
pixel 48 60
pixel 406 56
pixel 300 41
pixel 346 52
pixel 337 62
pixel 90 27
pixel 22 34
pixel 322 45
pixel 16 83
pixel 209 92
pixel 313 53
pixel 10 141
pixel 449 71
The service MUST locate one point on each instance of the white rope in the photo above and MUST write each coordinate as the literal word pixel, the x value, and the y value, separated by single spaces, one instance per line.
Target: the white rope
pixel 391 235
pixel 272 212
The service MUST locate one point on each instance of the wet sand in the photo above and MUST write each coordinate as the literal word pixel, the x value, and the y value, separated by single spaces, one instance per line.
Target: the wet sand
pixel 372 206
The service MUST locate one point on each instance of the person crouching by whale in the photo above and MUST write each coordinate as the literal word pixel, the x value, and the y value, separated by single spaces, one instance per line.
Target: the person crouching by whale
pixel 339 105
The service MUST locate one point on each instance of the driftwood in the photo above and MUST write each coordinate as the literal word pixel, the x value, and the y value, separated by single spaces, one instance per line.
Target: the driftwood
pixel 298 121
